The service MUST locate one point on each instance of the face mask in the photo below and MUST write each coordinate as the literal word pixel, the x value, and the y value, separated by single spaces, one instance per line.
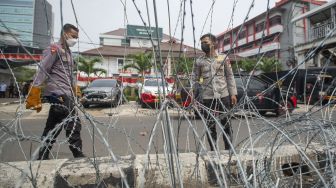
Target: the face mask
pixel 205 48
pixel 71 42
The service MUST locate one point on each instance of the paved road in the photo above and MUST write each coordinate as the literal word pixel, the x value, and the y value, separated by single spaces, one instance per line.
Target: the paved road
pixel 127 129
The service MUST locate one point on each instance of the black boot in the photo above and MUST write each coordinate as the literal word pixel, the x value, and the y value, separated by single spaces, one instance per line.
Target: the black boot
pixel 77 153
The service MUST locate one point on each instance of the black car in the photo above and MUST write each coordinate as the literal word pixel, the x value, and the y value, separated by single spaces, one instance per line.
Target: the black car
pixel 102 91
pixel 326 85
pixel 276 100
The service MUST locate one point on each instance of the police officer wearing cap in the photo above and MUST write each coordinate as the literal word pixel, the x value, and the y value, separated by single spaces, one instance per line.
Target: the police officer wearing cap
pixel 56 73
pixel 219 92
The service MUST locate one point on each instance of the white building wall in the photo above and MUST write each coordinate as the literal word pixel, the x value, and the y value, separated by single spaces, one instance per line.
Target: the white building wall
pixel 276 29
pixel 141 43
pixel 241 41
pixel 226 47
pixel 110 64
pixel 265 48
pixel 112 42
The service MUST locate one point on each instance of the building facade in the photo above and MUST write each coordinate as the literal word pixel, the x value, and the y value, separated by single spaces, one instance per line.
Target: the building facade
pixel 30 20
pixel 117 45
pixel 320 26
pixel 269 34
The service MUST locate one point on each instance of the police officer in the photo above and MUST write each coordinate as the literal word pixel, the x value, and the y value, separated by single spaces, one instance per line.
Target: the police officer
pixel 218 89
pixel 59 90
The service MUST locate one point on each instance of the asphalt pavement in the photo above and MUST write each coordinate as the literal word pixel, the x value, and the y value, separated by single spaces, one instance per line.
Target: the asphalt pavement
pixel 126 129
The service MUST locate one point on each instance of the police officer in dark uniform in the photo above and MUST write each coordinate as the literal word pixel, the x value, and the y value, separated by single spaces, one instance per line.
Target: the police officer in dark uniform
pixel 60 91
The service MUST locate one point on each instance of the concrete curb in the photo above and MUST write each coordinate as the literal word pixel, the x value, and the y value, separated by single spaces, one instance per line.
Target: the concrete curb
pixel 8 103
pixel 18 174
pixel 196 170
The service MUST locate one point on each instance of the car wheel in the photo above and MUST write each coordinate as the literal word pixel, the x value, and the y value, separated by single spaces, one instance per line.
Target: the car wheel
pixel 283 108
pixel 143 105
pixel 86 105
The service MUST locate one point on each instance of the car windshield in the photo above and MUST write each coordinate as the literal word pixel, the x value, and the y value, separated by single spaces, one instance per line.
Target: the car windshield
pixel 154 83
pixel 103 83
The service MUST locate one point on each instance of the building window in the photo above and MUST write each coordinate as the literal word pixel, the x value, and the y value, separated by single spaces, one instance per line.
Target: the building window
pixel 125 42
pixel 242 35
pixel 276 20
pixel 250 29
pixel 269 39
pixel 246 47
pixel 260 27
pixel 226 41
pixel 122 63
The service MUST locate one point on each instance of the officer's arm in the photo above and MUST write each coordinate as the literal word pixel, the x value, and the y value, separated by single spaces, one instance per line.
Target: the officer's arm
pixel 34 101
pixel 49 56
pixel 196 72
pixel 231 83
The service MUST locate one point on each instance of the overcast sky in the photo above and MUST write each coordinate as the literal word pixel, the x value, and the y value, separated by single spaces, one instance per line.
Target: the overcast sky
pixel 101 16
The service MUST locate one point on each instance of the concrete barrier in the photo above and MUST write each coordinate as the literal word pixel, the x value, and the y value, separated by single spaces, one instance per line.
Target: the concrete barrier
pixel 264 166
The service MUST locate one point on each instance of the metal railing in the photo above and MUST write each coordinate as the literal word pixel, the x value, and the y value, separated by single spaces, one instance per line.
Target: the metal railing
pixel 321 31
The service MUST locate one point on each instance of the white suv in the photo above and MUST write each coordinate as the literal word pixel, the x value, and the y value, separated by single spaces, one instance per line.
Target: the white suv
pixel 151 90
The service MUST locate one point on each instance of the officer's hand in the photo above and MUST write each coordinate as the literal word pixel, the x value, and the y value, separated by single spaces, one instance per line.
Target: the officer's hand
pixel 233 100
pixel 34 99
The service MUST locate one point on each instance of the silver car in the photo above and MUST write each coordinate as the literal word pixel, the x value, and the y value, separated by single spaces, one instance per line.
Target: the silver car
pixel 102 91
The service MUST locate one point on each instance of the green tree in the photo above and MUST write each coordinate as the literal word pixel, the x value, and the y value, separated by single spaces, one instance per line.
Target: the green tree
pixel 23 74
pixel 270 65
pixel 183 66
pixel 141 62
pixel 236 66
pixel 86 65
pixel 248 64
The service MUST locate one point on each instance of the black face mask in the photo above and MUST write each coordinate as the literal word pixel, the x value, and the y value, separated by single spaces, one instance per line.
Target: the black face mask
pixel 205 48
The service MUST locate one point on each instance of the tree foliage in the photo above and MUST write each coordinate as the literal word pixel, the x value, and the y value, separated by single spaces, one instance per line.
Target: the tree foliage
pixel 142 62
pixel 270 65
pixel 248 65
pixel 265 65
pixel 183 66
pixel 87 65
pixel 23 74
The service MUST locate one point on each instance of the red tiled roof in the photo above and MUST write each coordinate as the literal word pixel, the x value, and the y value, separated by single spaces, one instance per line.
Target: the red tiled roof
pixel 166 46
pixel 117 32
pixel 174 49
pixel 117 51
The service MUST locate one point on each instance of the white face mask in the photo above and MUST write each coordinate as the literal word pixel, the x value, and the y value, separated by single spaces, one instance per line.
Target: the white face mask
pixel 71 42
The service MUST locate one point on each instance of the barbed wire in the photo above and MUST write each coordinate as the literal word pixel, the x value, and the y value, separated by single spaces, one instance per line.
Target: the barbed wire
pixel 265 137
